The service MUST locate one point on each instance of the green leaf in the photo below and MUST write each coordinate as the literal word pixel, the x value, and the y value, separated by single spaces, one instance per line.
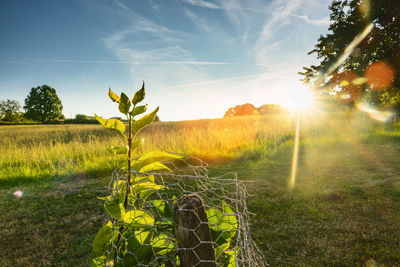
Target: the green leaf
pixel 144 186
pixel 115 150
pixel 112 124
pixel 138 244
pixel 98 261
pixel 153 156
pixel 162 244
pixel 113 96
pixel 102 239
pixel 147 178
pixel 138 110
pixel 145 189
pixel 104 198
pixel 224 223
pixel 155 166
pixel 230 258
pixel 229 220
pixel 137 144
pixel 143 121
pixel 145 250
pixel 139 95
pixel 124 104
pixel 220 249
pixel 217 236
pixel 214 216
pixel 115 207
pixel 138 218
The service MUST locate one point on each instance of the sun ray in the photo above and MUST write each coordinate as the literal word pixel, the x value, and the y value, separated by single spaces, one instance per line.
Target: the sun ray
pixel 293 172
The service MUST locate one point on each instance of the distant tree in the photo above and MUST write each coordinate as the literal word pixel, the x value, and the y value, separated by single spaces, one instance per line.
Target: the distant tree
pixel 42 104
pixel 269 109
pixel 241 110
pixel 81 117
pixel 370 69
pixel 9 110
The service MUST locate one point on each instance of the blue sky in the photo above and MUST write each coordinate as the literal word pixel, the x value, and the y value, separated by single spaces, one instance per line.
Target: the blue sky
pixel 197 57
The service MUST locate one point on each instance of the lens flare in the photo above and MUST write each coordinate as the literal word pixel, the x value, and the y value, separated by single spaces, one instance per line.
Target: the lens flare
pixel 379 115
pixel 298 99
pixel 379 75
pixel 365 7
pixel 293 171
pixel 18 193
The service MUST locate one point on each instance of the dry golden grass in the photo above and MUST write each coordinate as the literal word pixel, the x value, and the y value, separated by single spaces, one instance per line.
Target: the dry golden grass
pixel 46 151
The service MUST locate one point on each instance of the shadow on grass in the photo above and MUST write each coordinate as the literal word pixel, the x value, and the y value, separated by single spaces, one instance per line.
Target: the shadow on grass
pixel 342 212
pixel 50 226
pixel 15 181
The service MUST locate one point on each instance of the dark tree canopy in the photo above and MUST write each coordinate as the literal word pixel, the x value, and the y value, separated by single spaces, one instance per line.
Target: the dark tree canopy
pixel 42 104
pixel 372 68
pixel 9 110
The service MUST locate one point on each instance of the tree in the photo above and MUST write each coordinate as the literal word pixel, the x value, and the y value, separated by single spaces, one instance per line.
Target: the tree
pixel 9 110
pixel 270 109
pixel 81 117
pixel 370 68
pixel 42 104
pixel 241 110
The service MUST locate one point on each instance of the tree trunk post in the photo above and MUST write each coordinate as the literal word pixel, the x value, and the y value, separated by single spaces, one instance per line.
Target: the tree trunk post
pixel 195 247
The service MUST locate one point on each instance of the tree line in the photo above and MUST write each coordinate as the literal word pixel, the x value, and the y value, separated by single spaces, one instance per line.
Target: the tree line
pixel 41 105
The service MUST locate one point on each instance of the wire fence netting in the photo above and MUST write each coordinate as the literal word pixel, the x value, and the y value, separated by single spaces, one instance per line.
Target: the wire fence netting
pixel 179 217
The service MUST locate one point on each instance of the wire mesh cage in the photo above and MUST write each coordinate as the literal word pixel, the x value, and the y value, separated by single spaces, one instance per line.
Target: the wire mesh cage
pixel 177 217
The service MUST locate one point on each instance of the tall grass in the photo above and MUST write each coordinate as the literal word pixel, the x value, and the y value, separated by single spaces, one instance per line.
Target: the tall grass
pixel 343 211
pixel 42 152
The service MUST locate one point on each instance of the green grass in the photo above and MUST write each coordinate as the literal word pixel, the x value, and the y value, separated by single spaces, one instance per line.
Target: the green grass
pixel 343 211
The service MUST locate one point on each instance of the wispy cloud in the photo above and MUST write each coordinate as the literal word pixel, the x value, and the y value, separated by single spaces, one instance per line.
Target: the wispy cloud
pixel 124 7
pixel 199 22
pixel 282 14
pixel 201 3
pixel 215 81
pixel 235 13
pixel 17 61
pixel 319 22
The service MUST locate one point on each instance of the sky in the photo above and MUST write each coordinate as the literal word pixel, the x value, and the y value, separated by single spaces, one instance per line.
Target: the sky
pixel 198 58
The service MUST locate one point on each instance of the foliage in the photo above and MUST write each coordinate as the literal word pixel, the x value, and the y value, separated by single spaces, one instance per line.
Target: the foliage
pixel 348 19
pixel 9 110
pixel 42 104
pixel 126 204
pixel 81 117
pixel 241 110
pixel 270 109
pixel 134 228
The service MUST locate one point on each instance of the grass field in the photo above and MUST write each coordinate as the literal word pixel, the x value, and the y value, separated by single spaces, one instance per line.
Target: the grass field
pixel 344 209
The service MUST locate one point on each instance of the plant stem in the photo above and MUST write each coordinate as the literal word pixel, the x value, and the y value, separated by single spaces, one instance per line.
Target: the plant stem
pixel 128 183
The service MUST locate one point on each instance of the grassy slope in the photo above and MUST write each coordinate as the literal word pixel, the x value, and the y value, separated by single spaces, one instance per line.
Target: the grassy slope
pixel 344 210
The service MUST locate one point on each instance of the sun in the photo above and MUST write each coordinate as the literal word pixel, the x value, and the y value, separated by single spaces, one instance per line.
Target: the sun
pixel 297 99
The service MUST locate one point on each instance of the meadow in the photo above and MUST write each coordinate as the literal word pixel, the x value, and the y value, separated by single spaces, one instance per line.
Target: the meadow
pixel 344 208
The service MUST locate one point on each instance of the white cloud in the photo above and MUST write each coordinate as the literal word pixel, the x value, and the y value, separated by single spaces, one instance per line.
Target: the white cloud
pixel 319 22
pixel 199 22
pixel 201 3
